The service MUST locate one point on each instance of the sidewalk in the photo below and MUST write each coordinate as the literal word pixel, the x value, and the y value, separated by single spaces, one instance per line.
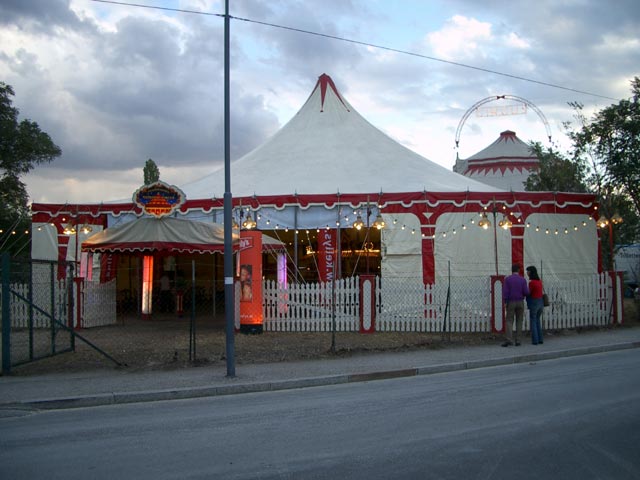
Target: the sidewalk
pixel 119 386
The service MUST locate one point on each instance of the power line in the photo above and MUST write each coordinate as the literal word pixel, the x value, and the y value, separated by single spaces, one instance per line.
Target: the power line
pixel 155 7
pixel 366 44
pixel 427 57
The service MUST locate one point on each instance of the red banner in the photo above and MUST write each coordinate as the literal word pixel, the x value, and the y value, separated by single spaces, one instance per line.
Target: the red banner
pixel 108 267
pixel 327 255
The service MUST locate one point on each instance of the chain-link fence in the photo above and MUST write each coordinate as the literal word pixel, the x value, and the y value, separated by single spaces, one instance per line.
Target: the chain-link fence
pixel 37 310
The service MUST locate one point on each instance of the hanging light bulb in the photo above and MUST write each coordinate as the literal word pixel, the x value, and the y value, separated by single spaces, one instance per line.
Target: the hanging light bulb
pixel 358 224
pixel 249 222
pixel 86 229
pixel 69 229
pixel 379 223
pixel 616 219
pixel 484 222
pixel 505 223
pixel 603 222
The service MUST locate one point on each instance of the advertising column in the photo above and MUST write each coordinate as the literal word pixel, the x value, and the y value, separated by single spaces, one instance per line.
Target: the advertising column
pixel 250 278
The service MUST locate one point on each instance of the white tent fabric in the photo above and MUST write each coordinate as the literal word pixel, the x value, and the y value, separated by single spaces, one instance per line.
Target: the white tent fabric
pixel 401 247
pixel 328 147
pixel 44 242
pixel 561 255
pixel 471 251
pixel 166 234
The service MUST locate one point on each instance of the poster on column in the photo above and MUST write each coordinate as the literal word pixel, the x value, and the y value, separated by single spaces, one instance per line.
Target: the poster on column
pixel 327 251
pixel 250 278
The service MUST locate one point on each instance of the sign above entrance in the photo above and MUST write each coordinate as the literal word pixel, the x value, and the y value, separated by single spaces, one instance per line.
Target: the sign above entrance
pixel 159 199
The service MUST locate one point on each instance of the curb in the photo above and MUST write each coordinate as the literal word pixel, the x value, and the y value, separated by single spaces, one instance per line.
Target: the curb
pixel 118 398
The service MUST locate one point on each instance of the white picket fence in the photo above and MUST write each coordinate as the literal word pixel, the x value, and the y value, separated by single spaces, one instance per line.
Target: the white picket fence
pixel 99 304
pixel 405 305
pixel 311 307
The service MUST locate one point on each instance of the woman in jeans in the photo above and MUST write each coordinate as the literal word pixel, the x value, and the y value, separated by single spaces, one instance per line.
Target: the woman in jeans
pixel 535 305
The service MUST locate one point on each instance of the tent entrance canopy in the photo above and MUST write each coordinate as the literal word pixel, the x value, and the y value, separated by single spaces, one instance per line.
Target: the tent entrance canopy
pixel 163 235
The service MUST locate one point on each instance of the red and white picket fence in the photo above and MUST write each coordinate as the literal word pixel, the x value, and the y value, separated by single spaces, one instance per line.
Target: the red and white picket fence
pixel 407 305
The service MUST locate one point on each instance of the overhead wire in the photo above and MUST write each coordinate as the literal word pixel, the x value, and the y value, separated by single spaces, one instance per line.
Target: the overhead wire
pixel 365 44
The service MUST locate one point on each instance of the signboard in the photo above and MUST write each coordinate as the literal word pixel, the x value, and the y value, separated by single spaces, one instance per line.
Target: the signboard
pixel 159 199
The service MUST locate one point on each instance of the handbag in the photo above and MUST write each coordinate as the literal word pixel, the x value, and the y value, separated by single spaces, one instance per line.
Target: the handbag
pixel 545 300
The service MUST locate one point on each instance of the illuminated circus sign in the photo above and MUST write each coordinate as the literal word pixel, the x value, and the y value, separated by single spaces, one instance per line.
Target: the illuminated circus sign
pixel 159 199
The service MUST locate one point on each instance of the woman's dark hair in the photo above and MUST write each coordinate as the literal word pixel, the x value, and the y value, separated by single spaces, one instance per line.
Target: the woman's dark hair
pixel 533 272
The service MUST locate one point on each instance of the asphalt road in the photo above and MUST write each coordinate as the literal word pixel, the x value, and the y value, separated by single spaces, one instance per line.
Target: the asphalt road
pixel 571 418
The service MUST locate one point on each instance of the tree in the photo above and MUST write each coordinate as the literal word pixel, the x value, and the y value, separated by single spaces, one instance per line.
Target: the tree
pixel 555 173
pixel 612 138
pixel 22 146
pixel 151 172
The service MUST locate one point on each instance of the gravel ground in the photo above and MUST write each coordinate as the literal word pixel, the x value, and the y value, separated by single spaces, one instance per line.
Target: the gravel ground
pixel 164 344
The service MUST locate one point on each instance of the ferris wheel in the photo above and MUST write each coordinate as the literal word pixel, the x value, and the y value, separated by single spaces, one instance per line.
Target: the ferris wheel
pixel 505 110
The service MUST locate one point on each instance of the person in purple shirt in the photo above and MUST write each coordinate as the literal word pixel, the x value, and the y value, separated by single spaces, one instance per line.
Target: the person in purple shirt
pixel 514 291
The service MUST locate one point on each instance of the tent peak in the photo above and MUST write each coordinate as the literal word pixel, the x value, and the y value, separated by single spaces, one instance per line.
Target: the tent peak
pixel 325 81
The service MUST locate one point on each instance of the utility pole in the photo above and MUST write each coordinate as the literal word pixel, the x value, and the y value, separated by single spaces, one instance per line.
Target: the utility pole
pixel 229 300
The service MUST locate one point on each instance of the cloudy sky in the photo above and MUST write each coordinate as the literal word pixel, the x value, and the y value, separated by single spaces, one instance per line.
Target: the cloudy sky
pixel 114 84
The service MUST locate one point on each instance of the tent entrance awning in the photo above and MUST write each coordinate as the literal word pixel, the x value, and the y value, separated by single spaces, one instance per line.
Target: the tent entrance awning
pixel 168 235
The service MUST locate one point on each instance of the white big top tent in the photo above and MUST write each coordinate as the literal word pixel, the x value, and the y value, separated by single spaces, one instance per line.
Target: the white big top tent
pixel 328 164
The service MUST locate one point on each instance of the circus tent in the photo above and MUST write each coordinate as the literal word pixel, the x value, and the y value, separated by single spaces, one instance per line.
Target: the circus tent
pixel 505 164
pixel 328 166
pixel 329 148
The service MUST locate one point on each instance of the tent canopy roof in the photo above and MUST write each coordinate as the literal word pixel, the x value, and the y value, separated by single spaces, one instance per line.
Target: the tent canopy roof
pixel 168 235
pixel 506 146
pixel 327 148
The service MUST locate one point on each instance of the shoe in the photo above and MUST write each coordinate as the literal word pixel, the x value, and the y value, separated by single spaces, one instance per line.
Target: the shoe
pixel 533 343
pixel 506 344
pixel 540 342
pixel 517 344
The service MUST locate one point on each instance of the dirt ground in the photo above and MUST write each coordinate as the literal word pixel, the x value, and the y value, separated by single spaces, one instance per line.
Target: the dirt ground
pixel 165 344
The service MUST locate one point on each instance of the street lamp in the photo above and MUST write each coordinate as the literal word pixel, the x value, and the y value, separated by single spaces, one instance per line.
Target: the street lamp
pixel 359 224
pixel 603 222
pixel 505 224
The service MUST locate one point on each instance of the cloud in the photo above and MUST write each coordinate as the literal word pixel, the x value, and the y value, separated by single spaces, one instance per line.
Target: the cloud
pixel 116 85
pixel 461 38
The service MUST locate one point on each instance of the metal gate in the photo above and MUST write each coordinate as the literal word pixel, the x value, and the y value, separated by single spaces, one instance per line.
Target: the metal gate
pixel 38 302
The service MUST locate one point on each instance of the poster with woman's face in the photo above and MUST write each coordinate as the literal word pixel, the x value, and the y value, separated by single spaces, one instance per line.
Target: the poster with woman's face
pixel 246 292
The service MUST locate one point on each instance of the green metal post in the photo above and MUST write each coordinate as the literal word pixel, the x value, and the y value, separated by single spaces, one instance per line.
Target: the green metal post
pixel 6 315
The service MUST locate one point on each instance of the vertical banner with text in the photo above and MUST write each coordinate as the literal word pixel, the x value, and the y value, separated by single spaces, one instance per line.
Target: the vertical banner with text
pixel 327 251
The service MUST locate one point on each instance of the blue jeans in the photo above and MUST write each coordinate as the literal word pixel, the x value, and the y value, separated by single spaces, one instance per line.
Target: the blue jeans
pixel 535 313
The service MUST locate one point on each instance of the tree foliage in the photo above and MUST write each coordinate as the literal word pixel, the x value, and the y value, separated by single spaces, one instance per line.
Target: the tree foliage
pixel 151 172
pixel 22 146
pixel 612 140
pixel 555 173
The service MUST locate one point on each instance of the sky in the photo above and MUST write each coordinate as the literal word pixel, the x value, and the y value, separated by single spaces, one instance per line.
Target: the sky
pixel 114 85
